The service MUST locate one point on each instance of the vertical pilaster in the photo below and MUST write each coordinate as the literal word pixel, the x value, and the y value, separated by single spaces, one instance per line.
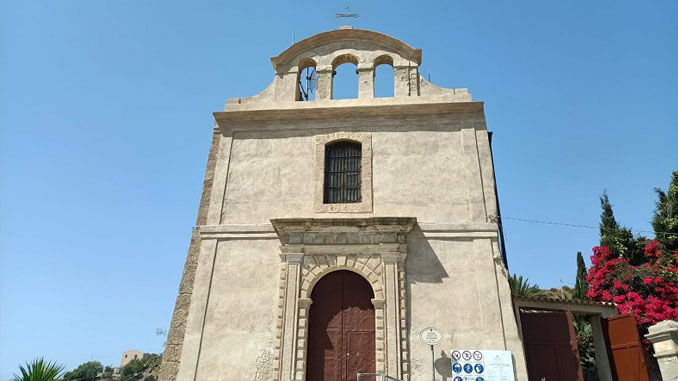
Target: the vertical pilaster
pixel 413 82
pixel 379 335
pixel 476 198
pixel 219 183
pixel 195 323
pixel 324 77
pixel 392 313
pixel 404 344
pixel 486 171
pixel 289 322
pixel 401 81
pixel 510 316
pixel 489 303
pixel 365 82
pixel 302 337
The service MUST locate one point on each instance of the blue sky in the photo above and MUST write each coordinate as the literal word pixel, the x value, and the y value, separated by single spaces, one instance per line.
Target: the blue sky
pixel 105 117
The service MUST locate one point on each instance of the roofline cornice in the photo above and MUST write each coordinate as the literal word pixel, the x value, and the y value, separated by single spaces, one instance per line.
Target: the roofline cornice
pixel 225 119
pixel 319 39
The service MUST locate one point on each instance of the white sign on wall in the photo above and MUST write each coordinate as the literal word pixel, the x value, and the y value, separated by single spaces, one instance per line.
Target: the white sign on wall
pixel 481 365
pixel 431 335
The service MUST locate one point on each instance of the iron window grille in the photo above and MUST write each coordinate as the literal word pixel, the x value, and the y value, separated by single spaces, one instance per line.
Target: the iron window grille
pixel 342 173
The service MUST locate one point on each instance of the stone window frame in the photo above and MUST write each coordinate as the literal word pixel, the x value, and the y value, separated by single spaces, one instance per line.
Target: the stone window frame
pixel 365 205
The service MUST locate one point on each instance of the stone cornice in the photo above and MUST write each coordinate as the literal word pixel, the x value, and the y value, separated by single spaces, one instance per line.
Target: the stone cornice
pixel 344 235
pixel 381 40
pixel 397 225
pixel 260 231
pixel 380 224
pixel 231 120
pixel 465 230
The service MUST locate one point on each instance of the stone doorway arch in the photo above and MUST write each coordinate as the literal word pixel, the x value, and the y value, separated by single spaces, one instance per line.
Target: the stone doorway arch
pixel 373 249
pixel 341 328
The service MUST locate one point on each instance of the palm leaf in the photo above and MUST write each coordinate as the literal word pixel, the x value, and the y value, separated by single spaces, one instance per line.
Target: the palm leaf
pixel 520 287
pixel 39 370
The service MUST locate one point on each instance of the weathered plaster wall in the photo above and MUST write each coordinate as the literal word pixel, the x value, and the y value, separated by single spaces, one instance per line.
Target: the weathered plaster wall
pixel 455 284
pixel 240 312
pixel 265 170
pixel 238 339
pixel 419 169
pixel 436 168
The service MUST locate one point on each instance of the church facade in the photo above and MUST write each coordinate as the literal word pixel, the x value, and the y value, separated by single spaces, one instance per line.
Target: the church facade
pixel 331 232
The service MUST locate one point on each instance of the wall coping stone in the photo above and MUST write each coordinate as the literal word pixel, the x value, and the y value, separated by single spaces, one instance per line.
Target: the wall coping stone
pixel 341 108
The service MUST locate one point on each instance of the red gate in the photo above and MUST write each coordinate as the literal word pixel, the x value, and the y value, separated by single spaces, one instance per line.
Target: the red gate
pixel 550 346
pixel 627 358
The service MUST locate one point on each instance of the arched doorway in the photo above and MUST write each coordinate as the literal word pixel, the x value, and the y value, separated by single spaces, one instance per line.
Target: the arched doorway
pixel 341 328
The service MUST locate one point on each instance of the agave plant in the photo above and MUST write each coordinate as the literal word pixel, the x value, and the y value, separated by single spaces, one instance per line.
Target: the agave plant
pixel 520 287
pixel 39 370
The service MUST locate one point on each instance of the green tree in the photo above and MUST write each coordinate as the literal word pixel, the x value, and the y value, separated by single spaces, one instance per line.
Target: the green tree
pixel 665 221
pixel 587 349
pixel 580 284
pixel 39 370
pixel 108 373
pixel 133 370
pixel 85 372
pixel 522 287
pixel 151 362
pixel 563 292
pixel 619 239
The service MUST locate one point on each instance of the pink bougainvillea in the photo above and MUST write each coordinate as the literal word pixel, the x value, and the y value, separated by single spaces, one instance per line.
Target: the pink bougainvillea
pixel 649 290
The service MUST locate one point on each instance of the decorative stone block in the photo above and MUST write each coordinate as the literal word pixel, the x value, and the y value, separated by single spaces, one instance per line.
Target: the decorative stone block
pixel 664 339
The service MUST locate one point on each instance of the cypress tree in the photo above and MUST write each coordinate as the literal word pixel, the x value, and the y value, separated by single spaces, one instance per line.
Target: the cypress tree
pixel 666 216
pixel 580 284
pixel 619 239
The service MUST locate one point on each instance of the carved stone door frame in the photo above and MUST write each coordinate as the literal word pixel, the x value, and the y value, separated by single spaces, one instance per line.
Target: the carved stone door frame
pixel 376 249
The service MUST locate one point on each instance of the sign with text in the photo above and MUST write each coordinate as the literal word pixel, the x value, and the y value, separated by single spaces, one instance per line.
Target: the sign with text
pixel 431 335
pixel 481 365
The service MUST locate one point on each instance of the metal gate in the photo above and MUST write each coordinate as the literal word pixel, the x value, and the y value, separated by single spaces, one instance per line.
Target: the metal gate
pixel 550 346
pixel 627 356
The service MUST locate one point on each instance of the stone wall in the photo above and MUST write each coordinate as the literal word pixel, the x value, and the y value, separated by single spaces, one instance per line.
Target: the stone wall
pixel 244 298
pixel 175 337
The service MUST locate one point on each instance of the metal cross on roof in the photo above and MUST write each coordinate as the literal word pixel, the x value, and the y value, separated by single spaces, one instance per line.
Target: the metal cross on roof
pixel 347 15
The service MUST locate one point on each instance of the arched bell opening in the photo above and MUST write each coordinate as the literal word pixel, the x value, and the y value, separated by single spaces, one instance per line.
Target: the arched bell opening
pixel 341 329
pixel 384 78
pixel 345 77
pixel 307 80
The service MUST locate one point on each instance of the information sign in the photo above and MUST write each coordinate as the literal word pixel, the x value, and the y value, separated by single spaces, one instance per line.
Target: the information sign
pixel 431 335
pixel 481 365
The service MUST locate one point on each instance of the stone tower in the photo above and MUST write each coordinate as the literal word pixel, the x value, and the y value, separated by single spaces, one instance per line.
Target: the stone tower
pixel 331 232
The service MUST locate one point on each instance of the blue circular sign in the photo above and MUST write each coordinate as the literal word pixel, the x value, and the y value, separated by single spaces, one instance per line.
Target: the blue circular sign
pixel 480 379
pixel 458 379
pixel 468 368
pixel 456 368
pixel 479 368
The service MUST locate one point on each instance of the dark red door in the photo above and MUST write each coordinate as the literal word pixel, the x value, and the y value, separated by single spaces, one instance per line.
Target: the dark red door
pixel 627 360
pixel 550 346
pixel 341 328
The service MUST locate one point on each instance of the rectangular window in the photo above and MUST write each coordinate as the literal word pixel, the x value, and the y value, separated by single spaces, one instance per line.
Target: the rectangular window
pixel 342 172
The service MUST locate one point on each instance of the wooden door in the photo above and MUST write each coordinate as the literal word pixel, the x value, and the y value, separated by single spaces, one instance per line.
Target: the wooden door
pixel 341 339
pixel 550 346
pixel 627 358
